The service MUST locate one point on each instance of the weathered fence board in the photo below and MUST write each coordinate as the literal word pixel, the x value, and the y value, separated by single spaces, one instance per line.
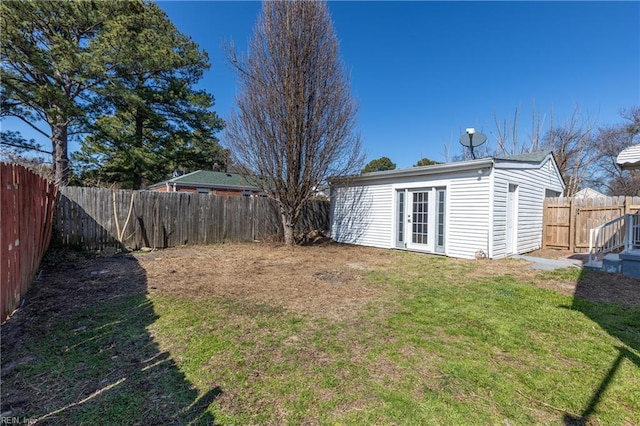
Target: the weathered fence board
pixel 568 221
pixel 95 218
pixel 26 218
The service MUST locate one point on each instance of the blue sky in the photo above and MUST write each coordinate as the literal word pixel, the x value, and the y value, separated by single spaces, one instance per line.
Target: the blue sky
pixel 422 72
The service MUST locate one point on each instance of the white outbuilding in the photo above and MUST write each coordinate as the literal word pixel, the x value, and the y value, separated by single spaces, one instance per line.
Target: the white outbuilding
pixel 489 207
pixel 629 158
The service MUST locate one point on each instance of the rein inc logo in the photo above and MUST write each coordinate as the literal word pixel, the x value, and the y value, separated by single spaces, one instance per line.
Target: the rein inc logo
pixel 12 420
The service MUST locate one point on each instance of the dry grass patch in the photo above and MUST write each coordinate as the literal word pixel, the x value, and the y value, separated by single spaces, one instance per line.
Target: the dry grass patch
pixel 321 281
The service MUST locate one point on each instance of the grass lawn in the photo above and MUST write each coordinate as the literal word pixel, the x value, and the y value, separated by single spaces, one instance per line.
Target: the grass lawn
pixel 256 334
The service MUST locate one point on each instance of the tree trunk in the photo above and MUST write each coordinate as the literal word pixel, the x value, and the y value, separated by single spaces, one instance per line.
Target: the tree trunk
pixel 60 157
pixel 288 226
pixel 288 234
pixel 136 177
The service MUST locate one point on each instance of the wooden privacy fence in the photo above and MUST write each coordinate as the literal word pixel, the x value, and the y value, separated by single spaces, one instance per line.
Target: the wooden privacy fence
pixel 568 221
pixel 95 218
pixel 26 217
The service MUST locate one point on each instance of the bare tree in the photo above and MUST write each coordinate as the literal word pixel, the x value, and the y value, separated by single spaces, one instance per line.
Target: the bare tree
pixel 573 146
pixel 571 142
pixel 16 149
pixel 295 123
pixel 507 137
pixel 507 134
pixel 609 142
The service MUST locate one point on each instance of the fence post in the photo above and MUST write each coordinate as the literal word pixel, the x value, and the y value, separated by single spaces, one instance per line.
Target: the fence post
pixel 572 225
pixel 545 208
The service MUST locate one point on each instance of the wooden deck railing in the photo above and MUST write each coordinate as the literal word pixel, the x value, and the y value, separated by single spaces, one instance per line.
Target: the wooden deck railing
pixel 632 240
pixel 607 238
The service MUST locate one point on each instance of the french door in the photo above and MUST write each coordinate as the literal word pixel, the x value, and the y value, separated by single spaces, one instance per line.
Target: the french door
pixel 418 218
pixel 420 221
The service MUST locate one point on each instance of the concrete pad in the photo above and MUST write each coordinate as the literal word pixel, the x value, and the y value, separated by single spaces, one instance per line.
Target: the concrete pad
pixel 546 264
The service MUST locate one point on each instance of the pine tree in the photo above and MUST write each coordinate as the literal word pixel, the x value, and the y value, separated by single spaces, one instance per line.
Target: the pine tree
pixel 53 55
pixel 149 118
pixel 117 72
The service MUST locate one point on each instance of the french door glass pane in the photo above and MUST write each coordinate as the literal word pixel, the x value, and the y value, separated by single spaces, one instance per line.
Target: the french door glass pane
pixel 401 217
pixel 441 213
pixel 420 217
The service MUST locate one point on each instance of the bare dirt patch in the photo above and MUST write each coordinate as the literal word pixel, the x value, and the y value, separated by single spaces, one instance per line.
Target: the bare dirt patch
pixel 69 283
pixel 316 280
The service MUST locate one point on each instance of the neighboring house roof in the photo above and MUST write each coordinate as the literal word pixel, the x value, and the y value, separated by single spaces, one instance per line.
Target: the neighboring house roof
pixel 520 161
pixel 629 158
pixel 211 179
pixel 588 193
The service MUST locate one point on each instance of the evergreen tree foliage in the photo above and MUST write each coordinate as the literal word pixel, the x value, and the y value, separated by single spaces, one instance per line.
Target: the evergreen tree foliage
pixel 379 165
pixel 425 162
pixel 53 54
pixel 117 72
pixel 149 118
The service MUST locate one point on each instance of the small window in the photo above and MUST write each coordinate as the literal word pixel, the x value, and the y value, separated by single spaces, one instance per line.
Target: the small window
pixel 203 190
pixel 550 193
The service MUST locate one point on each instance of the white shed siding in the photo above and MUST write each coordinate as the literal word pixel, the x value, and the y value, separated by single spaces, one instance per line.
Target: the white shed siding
pixel 476 204
pixel 532 184
pixel 468 218
pixel 363 215
pixel 467 209
pixel 499 231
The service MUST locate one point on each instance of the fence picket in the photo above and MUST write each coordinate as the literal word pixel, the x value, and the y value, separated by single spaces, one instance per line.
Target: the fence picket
pixel 568 221
pixel 85 217
pixel 26 204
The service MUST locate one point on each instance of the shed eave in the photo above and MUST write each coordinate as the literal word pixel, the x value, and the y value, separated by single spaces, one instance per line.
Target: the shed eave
pixel 629 165
pixel 415 171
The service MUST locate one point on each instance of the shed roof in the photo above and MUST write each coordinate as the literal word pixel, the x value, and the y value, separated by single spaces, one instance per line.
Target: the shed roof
pixel 529 157
pixel 528 160
pixel 629 158
pixel 211 179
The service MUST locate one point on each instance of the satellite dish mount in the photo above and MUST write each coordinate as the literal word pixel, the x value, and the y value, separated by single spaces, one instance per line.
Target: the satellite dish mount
pixel 472 138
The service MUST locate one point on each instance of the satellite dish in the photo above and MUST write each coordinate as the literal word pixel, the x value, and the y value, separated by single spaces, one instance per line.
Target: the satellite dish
pixel 471 139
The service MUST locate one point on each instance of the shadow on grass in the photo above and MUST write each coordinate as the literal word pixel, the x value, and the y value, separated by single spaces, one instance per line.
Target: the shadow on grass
pixel 79 351
pixel 613 302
